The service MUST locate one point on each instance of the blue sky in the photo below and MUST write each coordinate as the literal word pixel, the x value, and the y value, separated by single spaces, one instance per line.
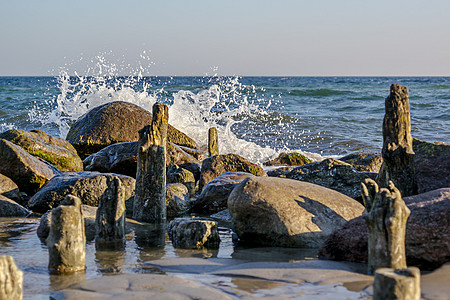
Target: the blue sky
pixel 318 38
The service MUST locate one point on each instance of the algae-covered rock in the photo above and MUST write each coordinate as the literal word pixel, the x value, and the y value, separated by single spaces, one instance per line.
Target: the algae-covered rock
pixel 432 165
pixel 333 174
pixel 28 172
pixel 177 174
pixel 89 186
pixel 288 213
pixel 215 165
pixel 364 161
pixel 54 150
pixel 289 159
pixel 115 122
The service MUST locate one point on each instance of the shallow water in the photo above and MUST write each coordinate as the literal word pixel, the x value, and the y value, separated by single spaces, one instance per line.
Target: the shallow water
pixel 18 239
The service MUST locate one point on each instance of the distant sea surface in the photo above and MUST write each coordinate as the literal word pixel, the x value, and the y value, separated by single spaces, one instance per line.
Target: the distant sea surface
pixel 256 117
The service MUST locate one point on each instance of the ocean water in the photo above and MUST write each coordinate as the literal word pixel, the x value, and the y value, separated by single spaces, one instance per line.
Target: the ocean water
pixel 256 117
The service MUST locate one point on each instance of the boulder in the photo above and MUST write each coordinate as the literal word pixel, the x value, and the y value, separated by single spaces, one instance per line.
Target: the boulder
pixel 9 189
pixel 218 164
pixel 333 174
pixel 121 158
pixel 427 233
pixel 88 186
pixel 289 159
pixel 195 169
pixel 214 196
pixel 177 155
pixel 364 161
pixel 54 150
pixel 432 165
pixel 9 208
pixel 288 213
pixel 193 233
pixel 115 122
pixel 177 197
pixel 280 172
pixel 180 175
pixel 28 172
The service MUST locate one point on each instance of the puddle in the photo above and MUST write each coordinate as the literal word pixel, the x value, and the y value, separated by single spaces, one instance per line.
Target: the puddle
pixel 18 239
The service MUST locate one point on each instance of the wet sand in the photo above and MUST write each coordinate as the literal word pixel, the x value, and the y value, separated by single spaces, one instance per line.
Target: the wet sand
pixel 216 278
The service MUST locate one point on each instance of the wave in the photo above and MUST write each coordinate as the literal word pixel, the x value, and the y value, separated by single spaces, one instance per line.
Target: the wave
pixel 222 103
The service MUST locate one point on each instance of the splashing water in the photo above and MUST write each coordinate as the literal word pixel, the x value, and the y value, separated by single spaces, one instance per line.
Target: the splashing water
pixel 219 102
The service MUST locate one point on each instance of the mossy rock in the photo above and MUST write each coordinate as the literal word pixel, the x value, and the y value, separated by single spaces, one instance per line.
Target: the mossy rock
pixel 289 159
pixel 115 122
pixel 364 161
pixel 28 172
pixel 54 150
pixel 218 164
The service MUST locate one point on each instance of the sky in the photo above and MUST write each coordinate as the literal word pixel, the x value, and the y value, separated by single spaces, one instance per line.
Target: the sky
pixel 245 37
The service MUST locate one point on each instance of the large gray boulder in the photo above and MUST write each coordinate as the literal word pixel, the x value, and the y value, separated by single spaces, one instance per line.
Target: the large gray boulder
pixel 28 172
pixel 9 208
pixel 115 122
pixel 218 164
pixel 214 196
pixel 288 213
pixel 54 150
pixel 88 186
pixel 427 233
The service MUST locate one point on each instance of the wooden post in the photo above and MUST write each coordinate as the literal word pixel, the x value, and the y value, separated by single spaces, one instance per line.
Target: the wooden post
pixel 386 216
pixel 398 154
pixel 110 218
pixel 11 279
pixel 67 241
pixel 213 142
pixel 150 196
pixel 390 284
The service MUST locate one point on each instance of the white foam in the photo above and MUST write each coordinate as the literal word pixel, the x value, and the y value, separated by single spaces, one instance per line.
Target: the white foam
pixel 222 103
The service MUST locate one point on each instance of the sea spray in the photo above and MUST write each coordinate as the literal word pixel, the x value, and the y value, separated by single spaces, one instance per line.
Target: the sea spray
pixel 221 102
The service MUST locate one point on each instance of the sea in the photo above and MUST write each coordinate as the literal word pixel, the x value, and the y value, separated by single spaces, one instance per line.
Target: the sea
pixel 256 117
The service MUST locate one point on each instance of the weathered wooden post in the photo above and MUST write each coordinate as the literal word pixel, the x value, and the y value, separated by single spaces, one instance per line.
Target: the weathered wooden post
pixel 213 142
pixel 386 216
pixel 110 218
pixel 398 154
pixel 150 196
pixel 66 241
pixel 390 284
pixel 11 279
